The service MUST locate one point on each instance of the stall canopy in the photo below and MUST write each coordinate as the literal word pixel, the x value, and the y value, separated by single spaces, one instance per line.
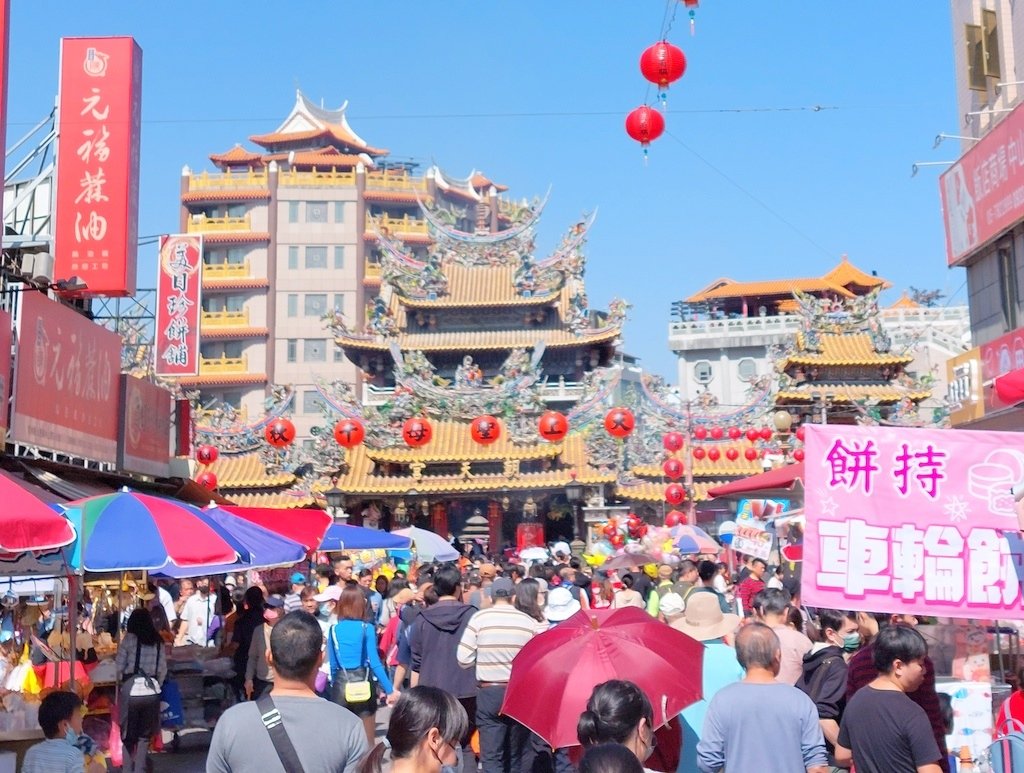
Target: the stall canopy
pixel 345 537
pixel 780 479
pixel 28 523
pixel 306 526
pixel 429 546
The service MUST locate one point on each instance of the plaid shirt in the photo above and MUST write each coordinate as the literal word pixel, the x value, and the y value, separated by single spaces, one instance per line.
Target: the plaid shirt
pixel 152 662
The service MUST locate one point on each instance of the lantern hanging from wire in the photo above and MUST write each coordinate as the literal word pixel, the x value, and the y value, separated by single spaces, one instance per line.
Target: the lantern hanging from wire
pixel 692 5
pixel 672 441
pixel 619 422
pixel 553 426
pixel 675 494
pixel 207 454
pixel 662 64
pixel 280 433
pixel 645 125
pixel 207 480
pixel 349 433
pixel 485 430
pixel 673 469
pixel 417 432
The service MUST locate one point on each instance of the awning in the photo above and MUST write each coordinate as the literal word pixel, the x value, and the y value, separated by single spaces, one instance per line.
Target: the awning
pixel 1010 387
pixel 780 479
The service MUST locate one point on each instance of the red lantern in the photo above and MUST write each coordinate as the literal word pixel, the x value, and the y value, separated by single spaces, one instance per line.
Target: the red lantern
pixel 673 468
pixel 280 433
pixel 734 433
pixel 619 422
pixel 800 433
pixel 645 125
pixel 417 432
pixel 732 454
pixel 750 454
pixel 753 435
pixel 714 454
pixel 700 433
pixel 207 480
pixel 349 433
pixel 673 441
pixel 766 433
pixel 716 433
pixel 699 453
pixel 485 430
pixel 798 454
pixel 552 426
pixel 207 454
pixel 674 494
pixel 662 64
pixel 674 518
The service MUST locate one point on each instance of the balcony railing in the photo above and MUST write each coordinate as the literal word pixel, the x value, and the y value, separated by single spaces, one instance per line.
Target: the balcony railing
pixel 198 224
pixel 399 225
pixel 205 181
pixel 553 391
pixel 220 365
pixel 226 318
pixel 226 270
pixel 371 269
pixel 783 323
pixel 316 178
pixel 389 181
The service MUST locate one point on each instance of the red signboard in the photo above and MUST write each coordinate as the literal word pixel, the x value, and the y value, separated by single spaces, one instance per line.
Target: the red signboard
pixel 66 381
pixel 144 434
pixel 6 339
pixel 999 357
pixel 97 201
pixel 178 303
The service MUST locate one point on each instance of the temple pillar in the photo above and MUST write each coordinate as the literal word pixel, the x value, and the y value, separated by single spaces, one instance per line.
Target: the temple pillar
pixel 493 527
pixel 439 519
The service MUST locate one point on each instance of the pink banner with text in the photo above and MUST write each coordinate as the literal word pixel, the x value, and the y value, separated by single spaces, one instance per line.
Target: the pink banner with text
pixel 913 521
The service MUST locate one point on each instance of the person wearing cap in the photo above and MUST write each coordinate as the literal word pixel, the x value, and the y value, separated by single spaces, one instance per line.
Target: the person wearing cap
pixel 492 638
pixel 704 621
pixel 293 600
pixel 561 553
pixel 481 596
pixel 259 673
pixel 671 607
pixel 561 605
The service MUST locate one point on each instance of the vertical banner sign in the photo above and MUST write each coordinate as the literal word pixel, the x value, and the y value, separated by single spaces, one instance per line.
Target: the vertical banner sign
pixel 97 201
pixel 144 434
pixel 6 369
pixel 66 384
pixel 913 521
pixel 179 299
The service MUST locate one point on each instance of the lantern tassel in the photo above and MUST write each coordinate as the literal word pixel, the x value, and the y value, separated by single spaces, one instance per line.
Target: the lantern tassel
pixel 645 155
pixel 693 24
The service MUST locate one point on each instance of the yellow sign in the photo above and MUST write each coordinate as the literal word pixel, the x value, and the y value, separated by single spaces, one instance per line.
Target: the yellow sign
pixel 964 388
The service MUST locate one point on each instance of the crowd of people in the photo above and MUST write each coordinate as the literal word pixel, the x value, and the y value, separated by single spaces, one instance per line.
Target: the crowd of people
pixel 783 689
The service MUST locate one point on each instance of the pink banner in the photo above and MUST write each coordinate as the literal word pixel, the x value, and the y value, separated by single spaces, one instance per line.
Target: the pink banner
pixel 913 521
pixel 179 303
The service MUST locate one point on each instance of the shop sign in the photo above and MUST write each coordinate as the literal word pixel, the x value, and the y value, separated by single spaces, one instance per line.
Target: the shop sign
pixel 753 539
pixel 983 193
pixel 999 357
pixel 964 387
pixel 66 381
pixel 912 521
pixel 179 301
pixel 144 432
pixel 97 193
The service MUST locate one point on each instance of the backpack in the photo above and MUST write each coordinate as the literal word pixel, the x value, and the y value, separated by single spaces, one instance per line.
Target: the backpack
pixel 1006 755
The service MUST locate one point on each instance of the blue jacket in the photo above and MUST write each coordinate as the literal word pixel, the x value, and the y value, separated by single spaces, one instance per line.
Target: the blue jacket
pixel 352 644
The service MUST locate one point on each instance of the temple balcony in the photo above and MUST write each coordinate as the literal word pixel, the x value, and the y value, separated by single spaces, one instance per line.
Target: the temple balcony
pixel 388 181
pixel 226 318
pixel 552 392
pixel 202 224
pixel 214 271
pixel 206 181
pixel 317 178
pixel 731 332
pixel 397 225
pixel 223 365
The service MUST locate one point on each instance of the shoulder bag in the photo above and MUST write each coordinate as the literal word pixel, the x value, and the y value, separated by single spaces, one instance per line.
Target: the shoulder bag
pixel 139 684
pixel 283 745
pixel 351 686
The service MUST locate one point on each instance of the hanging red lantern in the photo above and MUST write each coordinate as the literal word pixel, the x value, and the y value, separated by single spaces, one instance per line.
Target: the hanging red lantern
pixel 619 422
pixel 766 433
pixel 714 454
pixel 553 426
pixel 645 125
pixel 798 454
pixel 734 433
pixel 672 441
pixel 207 454
pixel 750 454
pixel 674 494
pixel 663 64
pixel 485 430
pixel 674 518
pixel 800 433
pixel 753 435
pixel 417 432
pixel 700 433
pixel 699 453
pixel 716 433
pixel 732 454
pixel 207 480
pixel 349 433
pixel 280 433
pixel 673 468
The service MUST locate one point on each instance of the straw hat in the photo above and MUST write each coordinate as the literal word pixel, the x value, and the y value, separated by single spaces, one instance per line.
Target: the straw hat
pixel 704 619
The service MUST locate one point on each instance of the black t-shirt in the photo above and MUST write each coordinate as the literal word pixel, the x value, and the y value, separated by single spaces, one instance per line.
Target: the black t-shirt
pixel 887 732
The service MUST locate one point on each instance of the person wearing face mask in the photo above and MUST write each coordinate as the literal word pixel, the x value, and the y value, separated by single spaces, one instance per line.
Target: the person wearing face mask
pixel 618 712
pixel 883 730
pixel 249 619
pixel 60 717
pixel 424 734
pixel 824 675
pixel 259 673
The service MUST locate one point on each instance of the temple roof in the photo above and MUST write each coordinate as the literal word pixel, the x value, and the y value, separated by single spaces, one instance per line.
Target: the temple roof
pixel 245 471
pixel 479 340
pixel 470 286
pixel 905 302
pixel 452 441
pixel 480 181
pixel 844 349
pixel 308 123
pixel 839 280
pixel 237 156
pixel 847 393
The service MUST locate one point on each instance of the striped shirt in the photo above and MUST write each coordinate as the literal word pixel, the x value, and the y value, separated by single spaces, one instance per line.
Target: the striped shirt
pixel 54 755
pixel 494 636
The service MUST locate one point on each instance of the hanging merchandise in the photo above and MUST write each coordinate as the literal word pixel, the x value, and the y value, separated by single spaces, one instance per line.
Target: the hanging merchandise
pixel 349 433
pixel 619 422
pixel 662 64
pixel 485 430
pixel 553 426
pixel 417 432
pixel 280 433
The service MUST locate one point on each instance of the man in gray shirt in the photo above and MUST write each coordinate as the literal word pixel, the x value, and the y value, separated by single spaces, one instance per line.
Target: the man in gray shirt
pixel 761 724
pixel 326 737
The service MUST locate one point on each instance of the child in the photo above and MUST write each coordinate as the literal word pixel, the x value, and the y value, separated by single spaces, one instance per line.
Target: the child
pixel 60 716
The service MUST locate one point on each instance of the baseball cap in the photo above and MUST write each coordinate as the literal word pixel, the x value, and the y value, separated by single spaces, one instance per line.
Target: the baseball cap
pixel 488 571
pixel 502 586
pixel 332 593
pixel 560 548
pixel 298 578
pixel 275 602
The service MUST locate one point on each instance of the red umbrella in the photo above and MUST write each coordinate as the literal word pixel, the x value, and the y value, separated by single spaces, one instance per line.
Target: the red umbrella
pixel 307 525
pixel 28 524
pixel 574 657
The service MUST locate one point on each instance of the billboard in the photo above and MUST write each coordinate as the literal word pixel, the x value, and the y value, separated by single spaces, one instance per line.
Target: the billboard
pixel 913 521
pixel 144 431
pixel 97 195
pixel 178 305
pixel 66 381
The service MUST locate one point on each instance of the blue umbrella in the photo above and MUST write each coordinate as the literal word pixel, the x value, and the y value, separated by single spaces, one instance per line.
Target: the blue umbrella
pixel 344 537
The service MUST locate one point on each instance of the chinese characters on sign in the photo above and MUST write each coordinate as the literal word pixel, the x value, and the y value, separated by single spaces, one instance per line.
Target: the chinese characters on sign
pixel 895 525
pixel 178 305
pixel 98 164
pixel 144 434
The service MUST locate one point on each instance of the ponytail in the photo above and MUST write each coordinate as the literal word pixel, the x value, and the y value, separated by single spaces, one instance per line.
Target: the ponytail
pixel 374 761
pixel 586 728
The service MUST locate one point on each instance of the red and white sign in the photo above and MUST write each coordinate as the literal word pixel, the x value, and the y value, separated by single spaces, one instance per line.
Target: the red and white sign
pixel 6 361
pixel 97 201
pixel 999 357
pixel 144 435
pixel 66 388
pixel 179 299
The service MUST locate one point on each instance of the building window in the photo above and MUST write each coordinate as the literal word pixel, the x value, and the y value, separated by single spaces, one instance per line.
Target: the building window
pixel 339 212
pixel 316 211
pixel 1007 283
pixel 309 445
pixel 232 398
pixel 293 258
pixel 293 304
pixel 702 372
pixel 316 257
pixel 990 35
pixel 236 255
pixel 293 211
pixel 311 401
pixel 314 304
pixel 292 350
pixel 234 303
pixel 314 350
pixel 339 303
pixel 339 256
pixel 235 210
pixel 231 350
pixel 747 369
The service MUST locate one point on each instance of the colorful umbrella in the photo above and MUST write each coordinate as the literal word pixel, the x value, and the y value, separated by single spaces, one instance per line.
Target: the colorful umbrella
pixel 305 525
pixel 628 561
pixel 577 655
pixel 129 531
pixel 27 523
pixel 429 546
pixel 690 539
pixel 344 537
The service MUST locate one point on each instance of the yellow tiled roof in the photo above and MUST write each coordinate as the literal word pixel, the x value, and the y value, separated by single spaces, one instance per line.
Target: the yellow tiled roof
pixel 452 442
pixel 236 471
pixel 845 393
pixel 477 340
pixel 844 349
pixel 284 500
pixel 480 286
pixel 835 281
pixel 906 302
pixel 846 274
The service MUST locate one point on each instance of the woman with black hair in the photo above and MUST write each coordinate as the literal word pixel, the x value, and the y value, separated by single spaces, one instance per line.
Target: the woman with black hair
pixel 609 758
pixel 424 735
pixel 141 670
pixel 250 617
pixel 618 712
pixel 527 597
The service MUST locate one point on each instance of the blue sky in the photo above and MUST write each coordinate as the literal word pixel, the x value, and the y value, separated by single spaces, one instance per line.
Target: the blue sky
pixel 534 93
